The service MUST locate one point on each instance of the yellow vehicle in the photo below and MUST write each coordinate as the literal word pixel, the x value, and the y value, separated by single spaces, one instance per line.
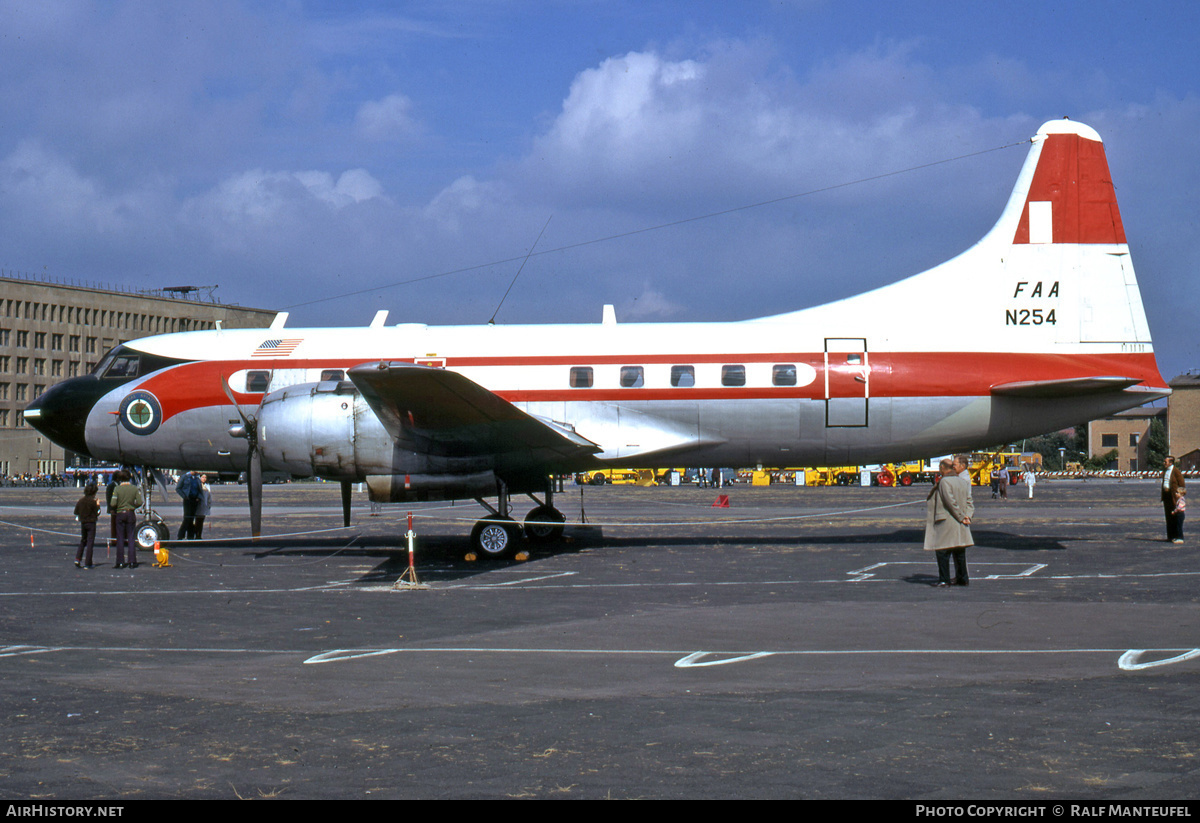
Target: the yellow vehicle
pixel 617 477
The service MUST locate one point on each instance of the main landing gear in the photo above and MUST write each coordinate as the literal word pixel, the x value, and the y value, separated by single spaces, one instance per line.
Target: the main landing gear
pixel 498 535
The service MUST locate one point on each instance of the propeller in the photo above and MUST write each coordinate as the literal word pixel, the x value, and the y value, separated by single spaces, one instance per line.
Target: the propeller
pixel 249 430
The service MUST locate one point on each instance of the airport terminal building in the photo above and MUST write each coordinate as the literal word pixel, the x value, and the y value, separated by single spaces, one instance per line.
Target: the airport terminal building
pixel 51 331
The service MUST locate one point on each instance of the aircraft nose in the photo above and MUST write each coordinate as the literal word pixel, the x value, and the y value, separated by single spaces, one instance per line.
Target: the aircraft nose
pixel 61 412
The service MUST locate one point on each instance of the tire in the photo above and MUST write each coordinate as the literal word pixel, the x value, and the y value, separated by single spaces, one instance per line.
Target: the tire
pixel 597 479
pixel 147 534
pixel 886 479
pixel 542 532
pixel 495 537
pixel 906 479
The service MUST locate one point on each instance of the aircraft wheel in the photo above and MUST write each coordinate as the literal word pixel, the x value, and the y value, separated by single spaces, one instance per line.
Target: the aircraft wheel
pixel 539 524
pixel 147 534
pixel 163 532
pixel 495 537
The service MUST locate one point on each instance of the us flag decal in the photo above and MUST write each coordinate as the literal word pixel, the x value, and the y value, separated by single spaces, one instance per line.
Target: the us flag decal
pixel 276 348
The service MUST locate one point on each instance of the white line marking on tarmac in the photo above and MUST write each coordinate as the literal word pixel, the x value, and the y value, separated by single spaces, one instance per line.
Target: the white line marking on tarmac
pixel 696 659
pixel 1129 660
pixel 868 572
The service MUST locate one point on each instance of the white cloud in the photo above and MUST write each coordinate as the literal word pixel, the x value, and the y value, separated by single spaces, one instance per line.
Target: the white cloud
pixel 387 119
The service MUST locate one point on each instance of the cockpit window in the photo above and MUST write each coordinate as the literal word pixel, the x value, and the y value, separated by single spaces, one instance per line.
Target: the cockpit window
pixel 122 365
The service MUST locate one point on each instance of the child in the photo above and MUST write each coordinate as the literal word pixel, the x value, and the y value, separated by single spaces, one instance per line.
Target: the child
pixel 87 511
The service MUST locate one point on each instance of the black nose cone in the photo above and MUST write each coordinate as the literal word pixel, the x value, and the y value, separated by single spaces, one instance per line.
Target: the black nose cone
pixel 61 413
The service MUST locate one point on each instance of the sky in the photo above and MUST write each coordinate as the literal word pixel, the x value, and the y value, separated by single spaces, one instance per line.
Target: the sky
pixel 681 160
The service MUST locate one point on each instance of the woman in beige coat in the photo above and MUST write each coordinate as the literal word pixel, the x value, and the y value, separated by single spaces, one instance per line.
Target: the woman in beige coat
pixel 948 524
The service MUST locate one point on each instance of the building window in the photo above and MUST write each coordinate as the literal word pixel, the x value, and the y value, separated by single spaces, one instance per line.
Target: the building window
pixel 73 343
pixel 3 391
pixel 1133 440
pixel 683 377
pixel 1133 464
pixel 39 340
pixel 23 339
pixel 56 368
pixel 39 365
pixel 733 375
pixel 632 377
pixel 22 390
pixel 4 337
pixel 56 342
pixel 22 365
pixel 73 369
pixel 581 377
pixel 1108 441
pixel 5 362
pixel 91 345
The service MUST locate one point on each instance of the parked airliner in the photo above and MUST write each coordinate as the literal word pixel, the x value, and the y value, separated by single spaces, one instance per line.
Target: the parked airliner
pixel 1058 336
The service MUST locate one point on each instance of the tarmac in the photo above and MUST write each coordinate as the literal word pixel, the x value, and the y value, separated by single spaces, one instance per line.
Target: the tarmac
pixel 789 646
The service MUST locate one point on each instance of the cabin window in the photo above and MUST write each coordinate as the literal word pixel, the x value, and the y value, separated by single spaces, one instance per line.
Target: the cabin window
pixel 683 377
pixel 632 377
pixel 332 374
pixel 257 381
pixel 733 375
pixel 854 359
pixel 783 374
pixel 581 377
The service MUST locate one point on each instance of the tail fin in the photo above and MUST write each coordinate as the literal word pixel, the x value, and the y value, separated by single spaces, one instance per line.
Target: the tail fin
pixel 1070 198
pixel 1049 294
pixel 1061 237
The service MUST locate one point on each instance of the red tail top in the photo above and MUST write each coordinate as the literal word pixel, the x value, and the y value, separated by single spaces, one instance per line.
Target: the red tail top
pixel 1071 198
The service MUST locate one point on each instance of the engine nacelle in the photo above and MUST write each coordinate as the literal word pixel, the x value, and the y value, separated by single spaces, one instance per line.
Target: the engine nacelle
pixel 409 488
pixel 322 430
pixel 328 430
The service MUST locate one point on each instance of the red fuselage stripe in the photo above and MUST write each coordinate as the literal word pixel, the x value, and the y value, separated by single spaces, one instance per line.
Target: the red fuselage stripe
pixel 891 374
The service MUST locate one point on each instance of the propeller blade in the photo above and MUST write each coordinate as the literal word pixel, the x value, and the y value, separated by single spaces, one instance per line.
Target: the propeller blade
pixel 254 489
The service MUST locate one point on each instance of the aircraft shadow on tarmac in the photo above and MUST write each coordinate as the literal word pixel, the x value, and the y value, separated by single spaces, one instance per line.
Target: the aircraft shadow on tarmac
pixel 447 552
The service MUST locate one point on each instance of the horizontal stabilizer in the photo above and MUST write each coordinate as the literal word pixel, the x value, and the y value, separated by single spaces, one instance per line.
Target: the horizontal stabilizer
pixel 1070 387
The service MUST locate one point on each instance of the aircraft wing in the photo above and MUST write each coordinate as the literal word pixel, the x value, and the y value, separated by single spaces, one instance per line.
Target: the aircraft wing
pixel 440 412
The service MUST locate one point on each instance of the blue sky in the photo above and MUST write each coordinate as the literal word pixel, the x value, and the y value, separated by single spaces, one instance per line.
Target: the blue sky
pixel 295 152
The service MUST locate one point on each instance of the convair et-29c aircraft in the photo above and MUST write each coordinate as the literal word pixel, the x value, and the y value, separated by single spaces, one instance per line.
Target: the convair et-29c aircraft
pixel 417 412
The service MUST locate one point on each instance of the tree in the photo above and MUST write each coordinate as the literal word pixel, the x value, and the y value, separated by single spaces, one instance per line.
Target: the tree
pixel 1157 447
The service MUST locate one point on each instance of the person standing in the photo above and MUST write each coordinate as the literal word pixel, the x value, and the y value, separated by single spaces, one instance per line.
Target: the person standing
pixel 188 488
pixel 948 513
pixel 203 506
pixel 1030 479
pixel 87 510
pixel 1173 490
pixel 126 500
